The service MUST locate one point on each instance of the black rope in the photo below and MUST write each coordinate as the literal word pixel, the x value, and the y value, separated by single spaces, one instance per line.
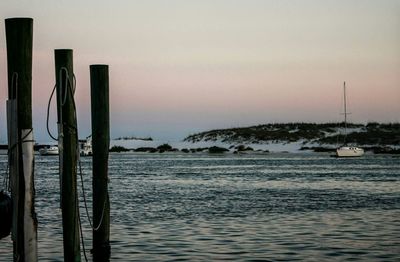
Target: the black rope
pixel 74 129
pixel 21 141
pixel 48 113
pixel 82 238
pixel 67 81
pixel 84 201
pixel 70 89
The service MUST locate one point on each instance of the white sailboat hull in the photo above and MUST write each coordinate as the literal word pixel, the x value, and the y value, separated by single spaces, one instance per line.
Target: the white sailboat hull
pixel 346 151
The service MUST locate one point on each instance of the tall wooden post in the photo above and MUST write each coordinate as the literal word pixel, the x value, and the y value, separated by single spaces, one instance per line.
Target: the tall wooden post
pixel 68 153
pixel 99 87
pixel 19 34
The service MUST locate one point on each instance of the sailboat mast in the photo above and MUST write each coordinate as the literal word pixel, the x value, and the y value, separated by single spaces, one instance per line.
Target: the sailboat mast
pixel 345 111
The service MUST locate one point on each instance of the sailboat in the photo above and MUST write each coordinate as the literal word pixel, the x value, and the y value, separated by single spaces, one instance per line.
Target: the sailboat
pixel 345 150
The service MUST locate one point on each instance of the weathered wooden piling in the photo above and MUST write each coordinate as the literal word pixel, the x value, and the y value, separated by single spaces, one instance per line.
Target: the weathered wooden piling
pixel 19 38
pixel 68 152
pixel 100 141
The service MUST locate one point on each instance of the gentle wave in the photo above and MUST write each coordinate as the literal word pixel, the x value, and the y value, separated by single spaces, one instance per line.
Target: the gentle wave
pixel 237 208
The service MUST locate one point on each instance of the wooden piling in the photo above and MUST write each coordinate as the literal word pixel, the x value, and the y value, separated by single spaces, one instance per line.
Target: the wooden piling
pixel 68 153
pixel 100 141
pixel 19 38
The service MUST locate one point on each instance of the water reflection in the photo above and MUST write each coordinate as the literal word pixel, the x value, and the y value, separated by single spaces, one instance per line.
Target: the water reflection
pixel 202 208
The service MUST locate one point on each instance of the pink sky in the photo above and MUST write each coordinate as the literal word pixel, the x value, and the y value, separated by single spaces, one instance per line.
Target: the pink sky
pixel 177 67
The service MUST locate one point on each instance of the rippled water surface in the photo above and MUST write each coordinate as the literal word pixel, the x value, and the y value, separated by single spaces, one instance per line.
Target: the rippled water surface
pixel 245 208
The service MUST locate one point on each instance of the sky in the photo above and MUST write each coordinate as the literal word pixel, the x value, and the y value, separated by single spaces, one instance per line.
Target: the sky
pixel 182 66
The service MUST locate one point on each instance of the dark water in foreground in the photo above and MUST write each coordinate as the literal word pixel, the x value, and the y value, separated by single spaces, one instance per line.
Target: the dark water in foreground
pixel 244 208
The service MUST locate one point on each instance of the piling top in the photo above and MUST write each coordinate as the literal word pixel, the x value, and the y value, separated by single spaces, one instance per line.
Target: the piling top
pixel 63 57
pixel 21 22
pixel 62 50
pixel 102 69
pixel 99 65
pixel 19 19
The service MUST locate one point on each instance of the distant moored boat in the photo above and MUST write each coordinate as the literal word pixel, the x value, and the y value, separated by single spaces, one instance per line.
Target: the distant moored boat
pixel 349 151
pixel 85 146
pixel 49 151
pixel 345 150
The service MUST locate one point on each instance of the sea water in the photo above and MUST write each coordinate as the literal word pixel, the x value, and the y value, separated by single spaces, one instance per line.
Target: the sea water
pixel 192 207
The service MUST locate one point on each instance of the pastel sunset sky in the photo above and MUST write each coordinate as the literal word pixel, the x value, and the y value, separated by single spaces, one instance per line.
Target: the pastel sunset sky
pixel 183 66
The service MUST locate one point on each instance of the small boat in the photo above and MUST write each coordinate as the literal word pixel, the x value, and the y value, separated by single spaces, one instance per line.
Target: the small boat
pixel 85 146
pixel 49 151
pixel 345 150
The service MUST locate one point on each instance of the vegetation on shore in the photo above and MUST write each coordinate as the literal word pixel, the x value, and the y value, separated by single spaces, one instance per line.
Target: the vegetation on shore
pixel 374 137
pixel 313 133
pixel 118 149
pixel 134 138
